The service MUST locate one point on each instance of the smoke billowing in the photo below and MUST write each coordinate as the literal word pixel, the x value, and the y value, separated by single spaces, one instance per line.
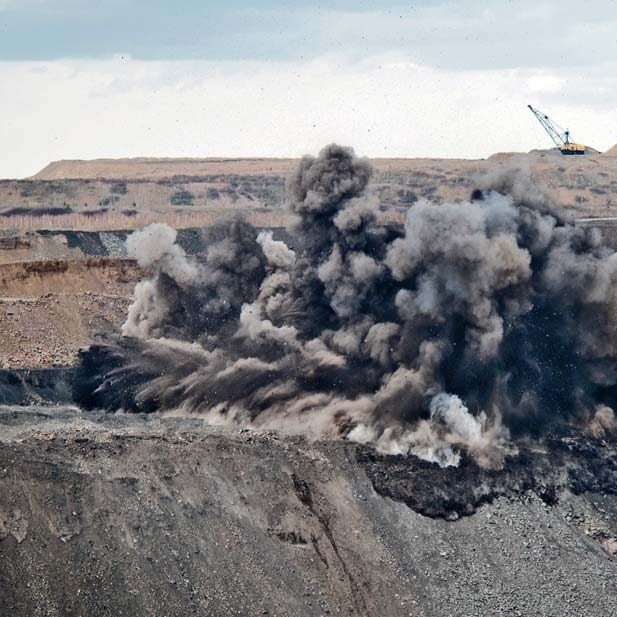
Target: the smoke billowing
pixel 472 324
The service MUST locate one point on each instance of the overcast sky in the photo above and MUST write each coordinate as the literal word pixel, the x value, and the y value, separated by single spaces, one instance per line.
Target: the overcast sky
pixel 115 78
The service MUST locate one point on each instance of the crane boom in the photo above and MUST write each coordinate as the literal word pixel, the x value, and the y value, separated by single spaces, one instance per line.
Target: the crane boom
pixel 559 137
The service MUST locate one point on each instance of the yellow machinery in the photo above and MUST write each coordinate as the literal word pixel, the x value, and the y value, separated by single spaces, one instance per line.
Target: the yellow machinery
pixel 560 137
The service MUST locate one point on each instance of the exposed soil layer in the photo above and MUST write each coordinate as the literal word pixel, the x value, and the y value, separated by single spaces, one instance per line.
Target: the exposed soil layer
pixel 33 279
pixel 50 309
pixel 107 515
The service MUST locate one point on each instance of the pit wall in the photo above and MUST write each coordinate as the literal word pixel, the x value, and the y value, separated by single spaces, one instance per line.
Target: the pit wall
pixel 78 245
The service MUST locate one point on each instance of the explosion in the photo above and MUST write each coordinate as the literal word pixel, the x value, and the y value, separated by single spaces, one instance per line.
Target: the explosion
pixel 474 324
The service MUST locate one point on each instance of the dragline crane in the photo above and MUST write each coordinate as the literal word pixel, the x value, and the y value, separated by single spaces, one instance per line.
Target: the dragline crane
pixel 560 137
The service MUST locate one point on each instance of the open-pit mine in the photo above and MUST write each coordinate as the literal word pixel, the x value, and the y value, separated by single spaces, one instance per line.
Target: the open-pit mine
pixel 330 386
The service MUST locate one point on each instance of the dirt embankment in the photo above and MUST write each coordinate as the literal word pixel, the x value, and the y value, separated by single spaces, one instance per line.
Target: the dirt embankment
pixel 48 310
pixel 112 515
pixel 37 278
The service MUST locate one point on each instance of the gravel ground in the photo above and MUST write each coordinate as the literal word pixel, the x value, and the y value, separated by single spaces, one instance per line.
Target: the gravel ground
pixel 49 330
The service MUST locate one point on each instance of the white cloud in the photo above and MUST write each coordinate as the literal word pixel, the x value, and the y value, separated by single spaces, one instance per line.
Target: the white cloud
pixel 383 107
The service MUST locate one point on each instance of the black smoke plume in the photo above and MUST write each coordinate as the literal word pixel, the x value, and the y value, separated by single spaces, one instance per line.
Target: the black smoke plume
pixel 471 324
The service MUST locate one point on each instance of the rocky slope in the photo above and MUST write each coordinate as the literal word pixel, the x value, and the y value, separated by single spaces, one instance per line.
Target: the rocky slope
pixel 125 515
